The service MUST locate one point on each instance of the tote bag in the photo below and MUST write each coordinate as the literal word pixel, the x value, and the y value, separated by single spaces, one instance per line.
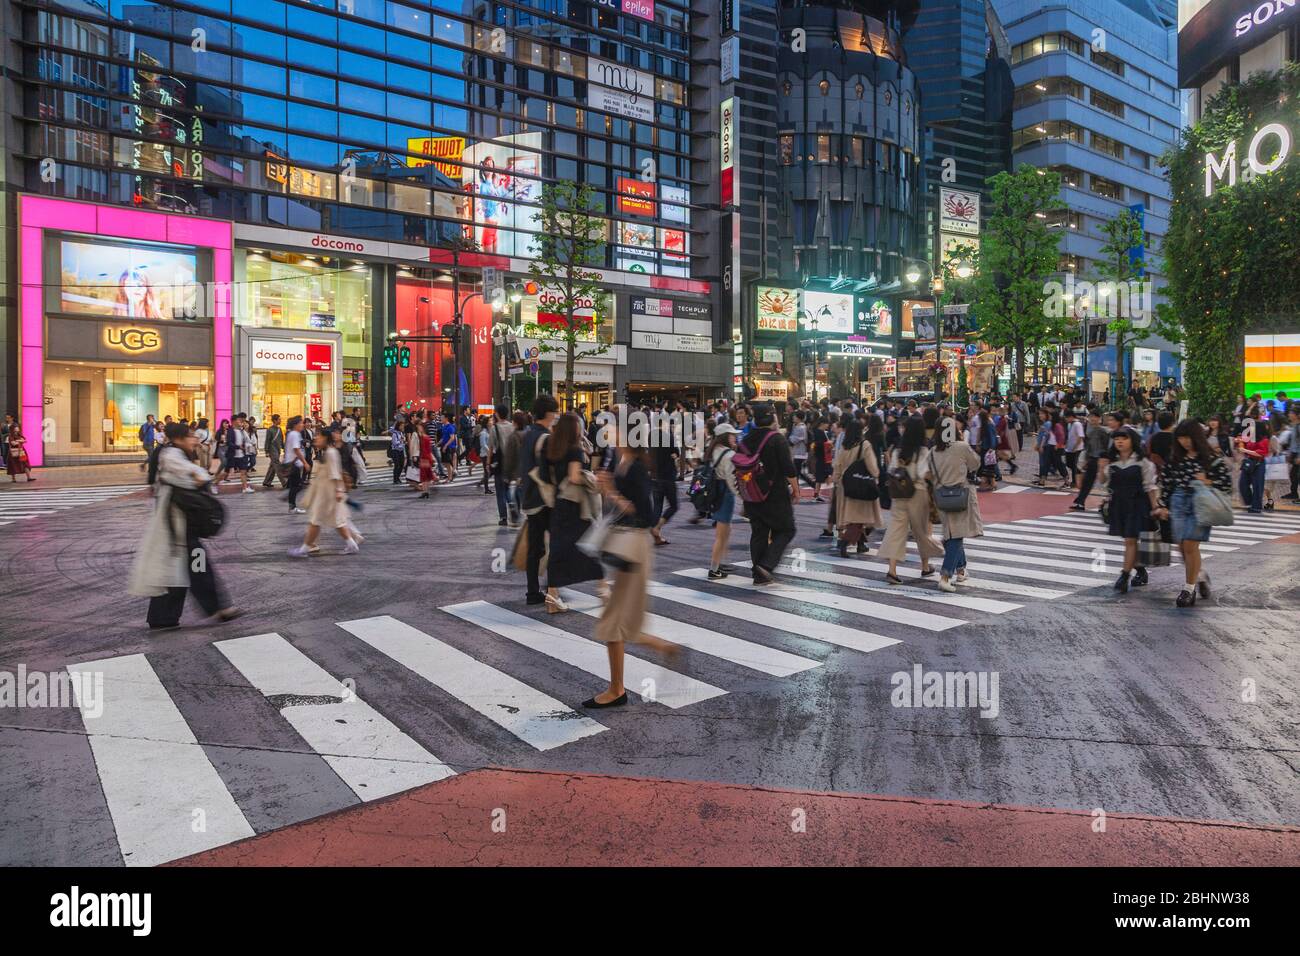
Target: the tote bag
pixel 1213 507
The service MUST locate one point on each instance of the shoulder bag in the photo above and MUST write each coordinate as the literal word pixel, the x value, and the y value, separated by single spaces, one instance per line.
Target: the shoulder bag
pixel 949 498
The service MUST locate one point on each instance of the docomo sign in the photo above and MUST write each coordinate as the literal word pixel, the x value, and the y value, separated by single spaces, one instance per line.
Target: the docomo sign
pixel 1263 13
pixel 728 146
pixel 1215 168
pixel 293 356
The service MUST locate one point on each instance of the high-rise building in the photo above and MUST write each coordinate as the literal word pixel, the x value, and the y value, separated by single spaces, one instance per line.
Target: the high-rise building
pixel 1221 42
pixel 1096 100
pixel 355 169
pixel 825 215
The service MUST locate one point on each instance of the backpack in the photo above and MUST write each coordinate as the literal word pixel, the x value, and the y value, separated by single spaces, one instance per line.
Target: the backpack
pixel 706 489
pixel 899 483
pixel 857 482
pixel 751 477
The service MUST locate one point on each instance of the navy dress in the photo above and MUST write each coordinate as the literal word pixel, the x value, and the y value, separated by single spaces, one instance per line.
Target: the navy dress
pixel 1130 505
pixel 565 563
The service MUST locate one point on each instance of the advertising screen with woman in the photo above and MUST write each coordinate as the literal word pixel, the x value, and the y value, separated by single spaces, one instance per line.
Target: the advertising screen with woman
pixel 138 282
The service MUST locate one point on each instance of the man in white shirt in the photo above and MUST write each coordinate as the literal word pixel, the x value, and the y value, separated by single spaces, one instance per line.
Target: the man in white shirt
pixel 296 457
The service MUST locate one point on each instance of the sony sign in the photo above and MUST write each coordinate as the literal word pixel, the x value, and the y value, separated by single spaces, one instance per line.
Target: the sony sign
pixel 1262 14
pixel 1217 168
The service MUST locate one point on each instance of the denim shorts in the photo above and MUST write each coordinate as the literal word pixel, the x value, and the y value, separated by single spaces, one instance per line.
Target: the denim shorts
pixel 726 508
pixel 1182 515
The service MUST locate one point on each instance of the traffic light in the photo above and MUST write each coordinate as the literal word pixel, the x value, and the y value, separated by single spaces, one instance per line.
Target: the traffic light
pixel 390 356
pixel 404 357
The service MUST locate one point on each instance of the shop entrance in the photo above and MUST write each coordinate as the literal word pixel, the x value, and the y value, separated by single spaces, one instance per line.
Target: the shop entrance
pixel 288 394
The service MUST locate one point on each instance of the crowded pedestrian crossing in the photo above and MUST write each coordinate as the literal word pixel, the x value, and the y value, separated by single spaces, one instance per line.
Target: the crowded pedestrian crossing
pixel 511 680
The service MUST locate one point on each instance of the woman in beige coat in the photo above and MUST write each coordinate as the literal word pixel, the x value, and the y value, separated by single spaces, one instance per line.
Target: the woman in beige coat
pixel 853 516
pixel 910 515
pixel 950 462
pixel 327 501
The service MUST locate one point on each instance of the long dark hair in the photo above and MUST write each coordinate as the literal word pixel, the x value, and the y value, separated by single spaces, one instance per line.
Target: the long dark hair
pixel 1134 439
pixel 566 435
pixel 852 433
pixel 913 440
pixel 1194 430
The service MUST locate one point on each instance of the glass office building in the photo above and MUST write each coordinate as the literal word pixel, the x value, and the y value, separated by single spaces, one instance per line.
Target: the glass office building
pixel 340 135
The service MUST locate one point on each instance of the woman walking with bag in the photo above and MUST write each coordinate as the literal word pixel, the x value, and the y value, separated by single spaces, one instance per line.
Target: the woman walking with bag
pixel 1253 445
pixel 1131 483
pixel 628 549
pixel 909 513
pixel 959 510
pixel 1194 463
pixel 721 451
pixel 855 516
pixel 18 463
pixel 566 466
pixel 327 500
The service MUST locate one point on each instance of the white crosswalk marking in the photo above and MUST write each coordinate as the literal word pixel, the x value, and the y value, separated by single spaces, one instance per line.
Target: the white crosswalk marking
pixel 841 602
pixel 850 637
pixel 535 718
pixel 659 684
pixel 157 781
pixel 1005 587
pixel 1068 538
pixel 1011 489
pixel 757 657
pixel 1232 533
pixel 1008 569
pixel 987 605
pixel 23 503
pixel 1033 554
pixel 363 747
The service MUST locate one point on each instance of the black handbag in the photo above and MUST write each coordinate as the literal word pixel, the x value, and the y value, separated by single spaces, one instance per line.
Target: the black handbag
pixel 949 497
pixel 205 515
pixel 857 482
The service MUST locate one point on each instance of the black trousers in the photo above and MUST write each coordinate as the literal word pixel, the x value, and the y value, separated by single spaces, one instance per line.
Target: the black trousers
pixel 664 490
pixel 1089 479
pixel 398 458
pixel 767 544
pixel 295 484
pixel 273 472
pixel 538 525
pixel 165 609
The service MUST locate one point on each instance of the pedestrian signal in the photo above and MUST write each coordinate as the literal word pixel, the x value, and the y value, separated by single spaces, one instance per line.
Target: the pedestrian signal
pixel 390 356
pixel 404 357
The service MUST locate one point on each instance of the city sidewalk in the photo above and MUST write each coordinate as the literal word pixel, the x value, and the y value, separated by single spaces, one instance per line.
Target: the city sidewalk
pixel 502 817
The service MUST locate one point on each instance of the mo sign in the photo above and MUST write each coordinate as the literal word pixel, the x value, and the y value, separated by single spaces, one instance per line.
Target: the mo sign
pixel 1260 158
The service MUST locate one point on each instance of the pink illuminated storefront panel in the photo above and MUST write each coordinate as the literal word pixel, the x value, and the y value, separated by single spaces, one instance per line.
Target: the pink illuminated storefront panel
pixel 122 312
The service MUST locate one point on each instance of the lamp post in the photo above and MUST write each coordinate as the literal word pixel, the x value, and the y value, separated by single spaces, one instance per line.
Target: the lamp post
pixel 936 290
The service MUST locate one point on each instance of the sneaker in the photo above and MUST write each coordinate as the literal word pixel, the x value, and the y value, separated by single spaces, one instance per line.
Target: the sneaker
pixel 314 549
pixel 1078 507
pixel 1186 598
pixel 299 552
pixel 715 574
pixel 297 511
pixel 961 577
pixel 351 547
pixel 947 586
pixel 250 490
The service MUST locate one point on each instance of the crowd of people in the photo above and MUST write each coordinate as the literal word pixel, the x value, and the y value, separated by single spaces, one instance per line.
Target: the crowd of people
pixel 592 499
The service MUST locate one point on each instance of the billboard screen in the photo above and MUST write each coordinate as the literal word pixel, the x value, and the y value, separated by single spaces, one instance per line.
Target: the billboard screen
pixel 508 179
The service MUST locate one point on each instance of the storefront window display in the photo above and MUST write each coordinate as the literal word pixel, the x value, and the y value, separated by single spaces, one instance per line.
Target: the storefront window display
pixel 424 306
pixel 87 316
pixel 288 290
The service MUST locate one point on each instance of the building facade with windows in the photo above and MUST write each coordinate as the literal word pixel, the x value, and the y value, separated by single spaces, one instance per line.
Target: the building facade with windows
pixel 363 153
pixel 1096 99
pixel 1221 42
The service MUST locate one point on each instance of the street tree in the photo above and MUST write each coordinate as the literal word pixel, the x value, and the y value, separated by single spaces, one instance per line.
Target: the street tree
pixel 1017 257
pixel 571 242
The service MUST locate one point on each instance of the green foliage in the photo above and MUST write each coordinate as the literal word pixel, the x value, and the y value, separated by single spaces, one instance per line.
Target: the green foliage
pixel 1232 257
pixel 572 239
pixel 1017 257
pixel 963 392
pixel 1116 268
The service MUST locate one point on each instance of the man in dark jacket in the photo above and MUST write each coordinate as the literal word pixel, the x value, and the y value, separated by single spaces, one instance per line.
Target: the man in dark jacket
pixel 771 521
pixel 273 445
pixel 545 411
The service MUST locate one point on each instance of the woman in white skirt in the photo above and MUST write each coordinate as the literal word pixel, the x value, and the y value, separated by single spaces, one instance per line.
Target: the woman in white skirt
pixel 327 501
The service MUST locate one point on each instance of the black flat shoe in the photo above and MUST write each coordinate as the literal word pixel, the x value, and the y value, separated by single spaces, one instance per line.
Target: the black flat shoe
pixel 1122 582
pixel 163 627
pixel 762 575
pixel 893 579
pixel 1186 598
pixel 927 573
pixel 1139 577
pixel 618 701
pixel 1203 587
pixel 827 534
pixel 535 599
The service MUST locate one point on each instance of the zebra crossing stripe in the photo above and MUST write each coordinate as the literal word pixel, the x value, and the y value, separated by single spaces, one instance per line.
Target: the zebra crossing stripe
pixel 1005 587
pixel 841 602
pixel 759 657
pixel 371 755
pixel 1011 490
pixel 654 683
pixel 155 776
pixel 1015 572
pixel 26 514
pixel 850 637
pixel 1230 532
pixel 1051 534
pixel 535 718
pixel 988 605
pixel 1029 553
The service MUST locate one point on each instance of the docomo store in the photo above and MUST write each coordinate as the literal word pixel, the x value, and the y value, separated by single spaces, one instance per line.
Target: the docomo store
pixel 288 373
pixel 113 327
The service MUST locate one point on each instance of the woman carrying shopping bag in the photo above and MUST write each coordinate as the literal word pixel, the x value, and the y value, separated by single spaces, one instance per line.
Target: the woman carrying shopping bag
pixel 1194 463
pixel 959 510
pixel 856 513
pixel 628 549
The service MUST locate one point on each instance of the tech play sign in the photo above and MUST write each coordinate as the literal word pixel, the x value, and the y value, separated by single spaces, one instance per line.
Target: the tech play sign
pixel 292 356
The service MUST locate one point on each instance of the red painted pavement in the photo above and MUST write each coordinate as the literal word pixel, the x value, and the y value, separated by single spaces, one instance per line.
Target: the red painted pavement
pixel 587 820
